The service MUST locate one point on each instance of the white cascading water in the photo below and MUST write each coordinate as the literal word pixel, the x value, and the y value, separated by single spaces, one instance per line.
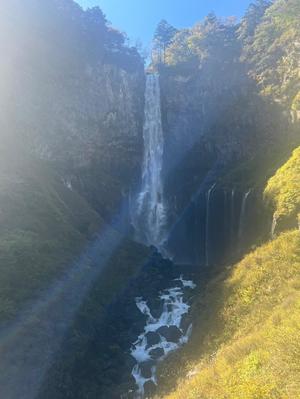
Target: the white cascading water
pixel 242 214
pixel 149 215
pixel 173 309
pixel 149 221
pixel 232 218
pixel 207 228
pixel 274 226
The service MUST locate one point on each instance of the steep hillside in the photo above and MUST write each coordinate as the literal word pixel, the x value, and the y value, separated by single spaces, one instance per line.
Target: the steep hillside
pixel 246 339
pixel 246 323
pixel 53 249
pixel 44 225
pixel 71 114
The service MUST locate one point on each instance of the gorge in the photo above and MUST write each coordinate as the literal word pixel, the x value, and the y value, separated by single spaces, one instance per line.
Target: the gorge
pixel 149 206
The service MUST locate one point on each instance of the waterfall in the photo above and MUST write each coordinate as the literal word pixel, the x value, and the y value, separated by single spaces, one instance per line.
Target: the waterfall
pixel 242 214
pixel 225 209
pixel 274 226
pixel 208 197
pixel 232 218
pixel 149 216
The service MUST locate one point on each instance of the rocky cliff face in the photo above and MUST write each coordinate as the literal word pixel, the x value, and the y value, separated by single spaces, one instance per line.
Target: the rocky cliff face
pixel 77 101
pixel 216 120
pixel 93 132
pixel 211 126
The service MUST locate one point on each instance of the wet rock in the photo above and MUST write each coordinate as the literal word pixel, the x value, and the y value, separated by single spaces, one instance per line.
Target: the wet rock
pixel 130 362
pixel 152 339
pixel 156 306
pixel 127 389
pixel 179 284
pixel 150 389
pixel 170 308
pixel 186 322
pixel 156 353
pixel 172 333
pixel 146 369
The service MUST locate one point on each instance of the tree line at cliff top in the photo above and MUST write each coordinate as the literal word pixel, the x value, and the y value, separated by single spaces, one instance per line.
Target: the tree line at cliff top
pixel 266 41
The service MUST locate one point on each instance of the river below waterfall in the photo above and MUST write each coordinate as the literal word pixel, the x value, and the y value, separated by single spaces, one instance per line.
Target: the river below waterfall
pixel 163 333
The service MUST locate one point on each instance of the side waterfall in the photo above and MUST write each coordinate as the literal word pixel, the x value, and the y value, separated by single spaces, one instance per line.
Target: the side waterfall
pixel 242 214
pixel 232 218
pixel 274 226
pixel 208 197
pixel 149 215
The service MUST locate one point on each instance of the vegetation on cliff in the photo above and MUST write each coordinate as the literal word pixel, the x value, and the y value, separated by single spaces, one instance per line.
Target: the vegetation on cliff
pixel 266 41
pixel 283 189
pixel 273 52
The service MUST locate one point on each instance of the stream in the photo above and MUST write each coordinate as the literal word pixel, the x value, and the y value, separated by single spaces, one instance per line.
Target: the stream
pixel 162 335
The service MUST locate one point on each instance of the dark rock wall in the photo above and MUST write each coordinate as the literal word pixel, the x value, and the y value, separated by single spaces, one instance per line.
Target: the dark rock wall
pixel 69 101
pixel 230 231
pixel 212 124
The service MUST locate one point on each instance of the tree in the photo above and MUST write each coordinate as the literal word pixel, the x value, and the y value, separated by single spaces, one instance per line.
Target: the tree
pixel 252 19
pixel 211 19
pixel 163 37
pixel 180 51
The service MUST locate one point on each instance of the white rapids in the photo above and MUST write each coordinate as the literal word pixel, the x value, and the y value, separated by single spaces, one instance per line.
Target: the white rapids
pixel 173 310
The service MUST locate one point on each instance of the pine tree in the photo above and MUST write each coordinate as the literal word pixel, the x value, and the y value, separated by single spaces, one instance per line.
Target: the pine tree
pixel 163 37
pixel 252 19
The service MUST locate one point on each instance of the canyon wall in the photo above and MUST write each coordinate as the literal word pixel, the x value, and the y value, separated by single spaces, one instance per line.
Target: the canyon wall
pixel 72 94
pixel 221 127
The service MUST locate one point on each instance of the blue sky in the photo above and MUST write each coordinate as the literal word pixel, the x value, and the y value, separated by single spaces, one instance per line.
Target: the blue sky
pixel 138 18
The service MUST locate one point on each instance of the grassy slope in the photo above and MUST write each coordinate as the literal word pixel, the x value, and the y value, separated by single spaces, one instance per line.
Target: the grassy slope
pixel 246 332
pixel 43 225
pixel 246 337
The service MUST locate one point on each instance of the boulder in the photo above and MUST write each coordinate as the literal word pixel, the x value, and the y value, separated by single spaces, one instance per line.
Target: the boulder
pixel 172 333
pixel 152 339
pixel 146 369
pixel 157 353
pixel 150 389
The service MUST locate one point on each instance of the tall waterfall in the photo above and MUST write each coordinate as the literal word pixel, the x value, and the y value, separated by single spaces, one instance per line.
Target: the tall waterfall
pixel 208 197
pixel 149 215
